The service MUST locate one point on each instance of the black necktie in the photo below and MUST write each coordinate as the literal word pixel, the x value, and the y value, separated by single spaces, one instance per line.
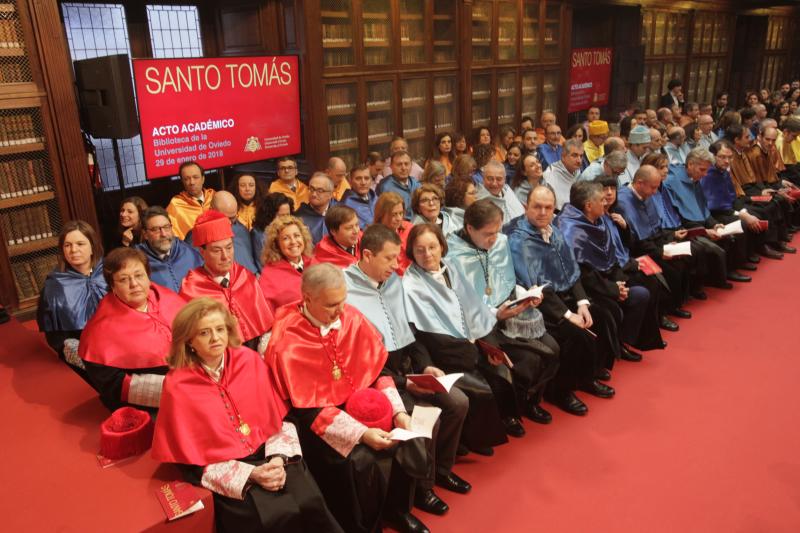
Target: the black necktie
pixel 351 250
pixel 225 282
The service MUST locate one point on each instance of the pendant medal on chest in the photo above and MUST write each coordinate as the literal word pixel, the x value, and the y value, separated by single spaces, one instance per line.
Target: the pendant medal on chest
pixel 488 291
pixel 336 372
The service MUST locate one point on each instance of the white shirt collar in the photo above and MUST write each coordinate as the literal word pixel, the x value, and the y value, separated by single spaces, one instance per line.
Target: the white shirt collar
pixel 438 275
pixel 218 279
pixel 214 373
pixel 323 328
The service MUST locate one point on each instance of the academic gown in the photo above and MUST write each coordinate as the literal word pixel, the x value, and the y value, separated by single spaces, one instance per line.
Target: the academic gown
pixel 384 306
pixel 327 251
pixel 242 297
pixel 280 282
pixel 170 271
pixel 356 480
pixel 119 341
pixel 67 301
pixel 448 319
pixel 537 262
pixel 314 221
pixel 602 257
pixel 524 338
pixel 690 203
pixel 193 429
pixel 747 185
pixel 364 207
pixel 183 210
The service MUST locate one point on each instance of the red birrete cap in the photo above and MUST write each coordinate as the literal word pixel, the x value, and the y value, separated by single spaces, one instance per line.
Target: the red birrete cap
pixel 211 226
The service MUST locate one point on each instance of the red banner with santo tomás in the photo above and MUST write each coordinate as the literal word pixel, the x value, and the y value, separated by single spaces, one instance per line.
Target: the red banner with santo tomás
pixel 589 78
pixel 216 111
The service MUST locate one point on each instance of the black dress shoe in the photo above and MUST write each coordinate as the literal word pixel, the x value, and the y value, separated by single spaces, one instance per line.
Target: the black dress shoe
pixel 486 452
pixel 735 276
pixel 571 404
pixel 428 501
pixel 725 285
pixel 700 295
pixel 630 355
pixel 785 248
pixel 604 375
pixel 754 259
pixel 749 266
pixel 538 414
pixel 601 390
pixel 4 316
pixel 453 483
pixel 663 344
pixel 668 324
pixel 680 313
pixel 514 426
pixel 770 252
pixel 406 523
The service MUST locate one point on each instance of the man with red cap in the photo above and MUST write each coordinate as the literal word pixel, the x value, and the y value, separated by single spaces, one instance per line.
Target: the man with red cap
pixel 225 280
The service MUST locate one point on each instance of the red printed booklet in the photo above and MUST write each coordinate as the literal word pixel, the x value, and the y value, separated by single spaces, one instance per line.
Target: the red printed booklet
pixel 178 499
pixel 764 199
pixel 648 266
pixel 494 353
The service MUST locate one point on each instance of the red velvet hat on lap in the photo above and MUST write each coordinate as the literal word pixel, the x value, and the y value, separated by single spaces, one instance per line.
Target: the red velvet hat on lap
pixel 126 432
pixel 211 226
pixel 371 408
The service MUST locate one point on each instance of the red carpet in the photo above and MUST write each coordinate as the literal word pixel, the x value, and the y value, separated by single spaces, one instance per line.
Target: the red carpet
pixel 702 437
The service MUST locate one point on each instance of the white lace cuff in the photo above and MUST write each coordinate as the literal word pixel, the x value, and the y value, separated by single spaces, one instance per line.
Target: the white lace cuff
pixel 71 353
pixel 285 442
pixel 228 478
pixel 145 389
pixel 338 429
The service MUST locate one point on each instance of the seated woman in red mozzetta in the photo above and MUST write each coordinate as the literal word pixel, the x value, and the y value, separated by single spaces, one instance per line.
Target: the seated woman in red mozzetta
pixel 124 346
pixel 222 422
pixel 287 251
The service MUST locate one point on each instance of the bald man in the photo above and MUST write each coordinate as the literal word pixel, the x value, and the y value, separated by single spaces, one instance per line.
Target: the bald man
pixel 337 172
pixel 225 203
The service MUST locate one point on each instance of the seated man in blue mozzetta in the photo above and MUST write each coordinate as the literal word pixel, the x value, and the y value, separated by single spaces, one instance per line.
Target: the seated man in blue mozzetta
pixel 400 180
pixel 320 199
pixel 360 197
pixel 170 258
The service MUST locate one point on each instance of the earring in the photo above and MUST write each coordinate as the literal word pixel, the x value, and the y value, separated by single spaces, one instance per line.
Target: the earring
pixel 191 349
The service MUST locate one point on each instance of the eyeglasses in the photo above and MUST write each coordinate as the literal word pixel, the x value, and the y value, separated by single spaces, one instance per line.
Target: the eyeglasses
pixel 159 229
pixel 315 190
pixel 433 200
pixel 286 169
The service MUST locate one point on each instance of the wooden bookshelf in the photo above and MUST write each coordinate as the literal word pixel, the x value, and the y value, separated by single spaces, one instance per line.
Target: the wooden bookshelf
pixel 39 189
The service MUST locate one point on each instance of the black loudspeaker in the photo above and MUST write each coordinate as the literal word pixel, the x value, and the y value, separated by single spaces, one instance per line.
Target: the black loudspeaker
pixel 629 64
pixel 105 91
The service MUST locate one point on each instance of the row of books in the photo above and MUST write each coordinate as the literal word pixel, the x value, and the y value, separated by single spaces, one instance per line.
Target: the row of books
pixel 18 129
pixel 29 276
pixel 26 225
pixel 23 177
pixel 14 73
pixel 338 57
pixel 9 37
pixel 332 33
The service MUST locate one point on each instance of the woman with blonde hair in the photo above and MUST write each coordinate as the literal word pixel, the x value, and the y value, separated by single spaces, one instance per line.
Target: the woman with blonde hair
pixel 221 420
pixel 389 211
pixel 288 250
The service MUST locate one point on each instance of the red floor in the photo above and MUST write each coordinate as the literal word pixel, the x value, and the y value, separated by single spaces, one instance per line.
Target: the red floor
pixel 702 437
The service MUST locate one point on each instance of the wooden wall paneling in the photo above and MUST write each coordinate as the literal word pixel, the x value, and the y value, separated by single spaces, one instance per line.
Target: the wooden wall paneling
pixel 272 28
pixel 465 72
pixel 138 30
pixel 66 143
pixel 206 11
pixel 565 38
pixel 290 27
pixel 239 29
pixel 312 90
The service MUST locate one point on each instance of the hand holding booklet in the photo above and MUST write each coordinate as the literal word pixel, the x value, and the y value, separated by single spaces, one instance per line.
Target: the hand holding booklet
pixel 432 383
pixel 677 249
pixel 422 421
pixel 693 233
pixel 523 295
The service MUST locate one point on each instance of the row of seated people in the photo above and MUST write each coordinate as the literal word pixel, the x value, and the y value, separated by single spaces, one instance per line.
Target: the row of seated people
pixel 365 309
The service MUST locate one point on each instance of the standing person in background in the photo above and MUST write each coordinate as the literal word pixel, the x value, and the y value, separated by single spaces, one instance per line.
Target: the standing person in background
pixel 375 164
pixel 288 182
pixel 460 145
pixel 186 206
pixel 674 95
pixel 400 180
pixel 249 194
